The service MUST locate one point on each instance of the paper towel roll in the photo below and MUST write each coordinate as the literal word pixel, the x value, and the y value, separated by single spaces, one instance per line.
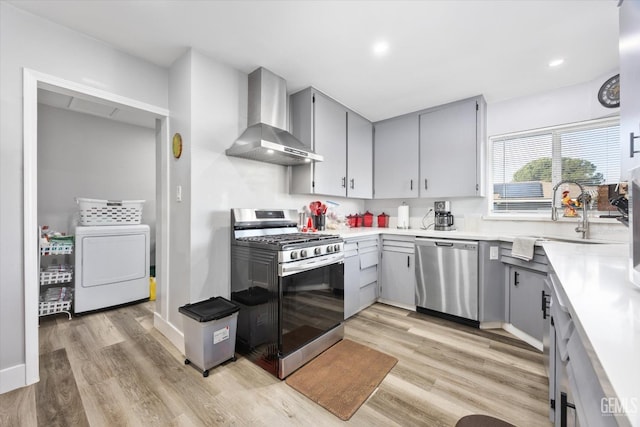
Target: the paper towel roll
pixel 403 216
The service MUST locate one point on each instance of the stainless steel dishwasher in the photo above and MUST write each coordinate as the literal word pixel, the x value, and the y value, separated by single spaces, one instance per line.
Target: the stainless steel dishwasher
pixel 447 278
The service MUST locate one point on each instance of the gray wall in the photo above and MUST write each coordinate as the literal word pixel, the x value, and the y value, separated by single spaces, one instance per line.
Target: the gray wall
pixel 31 42
pixel 80 155
pixel 209 109
pixel 208 103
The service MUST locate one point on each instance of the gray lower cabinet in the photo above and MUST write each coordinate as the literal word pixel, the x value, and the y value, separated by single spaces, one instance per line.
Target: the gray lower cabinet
pixel 525 282
pixel 396 158
pixel 360 274
pixel 397 271
pixel 525 288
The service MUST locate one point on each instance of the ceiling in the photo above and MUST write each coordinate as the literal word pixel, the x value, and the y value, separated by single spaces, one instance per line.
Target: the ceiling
pixel 439 51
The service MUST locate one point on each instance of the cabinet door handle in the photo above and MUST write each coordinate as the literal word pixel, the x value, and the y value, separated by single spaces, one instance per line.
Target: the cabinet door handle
pixel 353 183
pixel 344 182
pixel 544 304
pixel 564 404
pixel 515 278
pixel 408 259
pixel 411 184
pixel 632 150
pixel 425 183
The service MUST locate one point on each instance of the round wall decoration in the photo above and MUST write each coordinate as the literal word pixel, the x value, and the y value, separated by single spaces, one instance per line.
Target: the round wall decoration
pixel 177 145
pixel 609 93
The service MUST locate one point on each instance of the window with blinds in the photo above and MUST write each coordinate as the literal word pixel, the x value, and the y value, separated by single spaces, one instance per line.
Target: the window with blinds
pixel 527 165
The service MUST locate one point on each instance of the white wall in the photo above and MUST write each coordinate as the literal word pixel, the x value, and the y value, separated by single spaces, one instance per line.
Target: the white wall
pixel 566 105
pixel 31 42
pixel 80 155
pixel 557 107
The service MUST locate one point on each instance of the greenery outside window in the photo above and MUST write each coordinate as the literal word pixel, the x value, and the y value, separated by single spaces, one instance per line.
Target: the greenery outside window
pixel 526 165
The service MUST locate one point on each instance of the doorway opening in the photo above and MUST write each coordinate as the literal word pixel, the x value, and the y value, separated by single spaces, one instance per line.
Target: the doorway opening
pixel 55 92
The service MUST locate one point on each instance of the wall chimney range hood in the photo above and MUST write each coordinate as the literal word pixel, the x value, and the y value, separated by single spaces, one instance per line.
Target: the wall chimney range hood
pixel 265 139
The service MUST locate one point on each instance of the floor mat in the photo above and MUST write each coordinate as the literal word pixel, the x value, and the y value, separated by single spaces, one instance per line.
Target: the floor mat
pixel 343 377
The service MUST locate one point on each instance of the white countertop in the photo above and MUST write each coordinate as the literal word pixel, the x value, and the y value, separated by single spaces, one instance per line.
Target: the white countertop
pixel 455 234
pixel 605 307
pixel 348 233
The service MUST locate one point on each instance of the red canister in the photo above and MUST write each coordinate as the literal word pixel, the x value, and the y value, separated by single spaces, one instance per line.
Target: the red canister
pixel 383 220
pixel 367 219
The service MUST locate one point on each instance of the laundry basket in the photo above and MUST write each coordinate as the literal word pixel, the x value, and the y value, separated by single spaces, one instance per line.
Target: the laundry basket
pixel 109 212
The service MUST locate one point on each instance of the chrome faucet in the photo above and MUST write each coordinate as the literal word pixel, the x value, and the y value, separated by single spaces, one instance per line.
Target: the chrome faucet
pixel 584 200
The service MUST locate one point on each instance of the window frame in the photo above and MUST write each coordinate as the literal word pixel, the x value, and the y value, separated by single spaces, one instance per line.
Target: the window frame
pixel 613 120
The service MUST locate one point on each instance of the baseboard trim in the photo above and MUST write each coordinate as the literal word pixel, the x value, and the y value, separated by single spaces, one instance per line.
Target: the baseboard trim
pixel 523 336
pixel 12 378
pixel 491 325
pixel 394 304
pixel 168 330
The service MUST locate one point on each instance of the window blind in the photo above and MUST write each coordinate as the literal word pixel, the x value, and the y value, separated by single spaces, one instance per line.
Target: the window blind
pixel 526 166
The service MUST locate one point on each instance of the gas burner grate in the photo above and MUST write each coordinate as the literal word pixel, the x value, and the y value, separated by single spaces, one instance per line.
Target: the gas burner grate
pixel 289 238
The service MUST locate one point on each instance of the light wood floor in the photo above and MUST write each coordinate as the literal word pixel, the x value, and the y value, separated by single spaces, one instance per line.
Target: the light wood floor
pixel 114 369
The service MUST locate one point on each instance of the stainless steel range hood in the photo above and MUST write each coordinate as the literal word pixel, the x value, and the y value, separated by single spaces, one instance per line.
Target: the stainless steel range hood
pixel 265 139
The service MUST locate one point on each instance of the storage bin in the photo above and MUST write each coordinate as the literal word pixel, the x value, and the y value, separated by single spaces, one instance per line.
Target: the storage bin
pixel 209 332
pixel 109 212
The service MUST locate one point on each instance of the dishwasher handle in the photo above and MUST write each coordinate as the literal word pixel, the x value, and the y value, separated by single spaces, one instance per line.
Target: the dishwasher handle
pixel 447 243
pixel 444 244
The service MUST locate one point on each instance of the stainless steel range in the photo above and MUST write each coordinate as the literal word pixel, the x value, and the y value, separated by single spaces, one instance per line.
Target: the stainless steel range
pixel 289 287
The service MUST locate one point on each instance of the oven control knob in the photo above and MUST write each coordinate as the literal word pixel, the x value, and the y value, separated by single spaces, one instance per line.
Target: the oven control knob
pixel 294 255
pixel 318 251
pixel 336 248
pixel 303 253
pixel 329 248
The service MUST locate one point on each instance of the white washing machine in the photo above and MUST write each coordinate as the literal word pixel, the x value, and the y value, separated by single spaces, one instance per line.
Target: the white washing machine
pixel 111 265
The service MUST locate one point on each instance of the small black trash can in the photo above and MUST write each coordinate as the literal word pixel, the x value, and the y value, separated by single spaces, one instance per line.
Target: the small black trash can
pixel 209 332
pixel 253 322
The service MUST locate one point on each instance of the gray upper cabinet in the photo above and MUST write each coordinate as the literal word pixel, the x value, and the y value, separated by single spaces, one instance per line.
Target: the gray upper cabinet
pixel 359 157
pixel 629 88
pixel 451 139
pixel 330 132
pixel 336 133
pixel 396 157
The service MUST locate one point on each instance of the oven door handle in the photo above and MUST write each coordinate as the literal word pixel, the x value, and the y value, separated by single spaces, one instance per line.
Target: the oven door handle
pixel 297 267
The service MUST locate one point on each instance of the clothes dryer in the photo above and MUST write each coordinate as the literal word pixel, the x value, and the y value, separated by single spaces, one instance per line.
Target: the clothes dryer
pixel 111 266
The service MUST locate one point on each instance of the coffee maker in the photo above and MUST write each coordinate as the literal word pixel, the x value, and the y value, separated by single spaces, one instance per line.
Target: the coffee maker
pixel 443 216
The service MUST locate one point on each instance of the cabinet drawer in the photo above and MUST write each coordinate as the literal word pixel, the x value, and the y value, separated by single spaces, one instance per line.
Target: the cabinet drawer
pixel 368 275
pixel 398 246
pixel 373 243
pixel 562 321
pixel 350 246
pixel 368 294
pixel 368 259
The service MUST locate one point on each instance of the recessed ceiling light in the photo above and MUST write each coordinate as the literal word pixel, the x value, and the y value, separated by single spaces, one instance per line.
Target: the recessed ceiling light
pixel 307 160
pixel 380 48
pixel 269 151
pixel 556 62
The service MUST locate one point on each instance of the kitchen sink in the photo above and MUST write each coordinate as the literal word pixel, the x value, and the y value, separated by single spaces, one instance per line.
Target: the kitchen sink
pixel 571 240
